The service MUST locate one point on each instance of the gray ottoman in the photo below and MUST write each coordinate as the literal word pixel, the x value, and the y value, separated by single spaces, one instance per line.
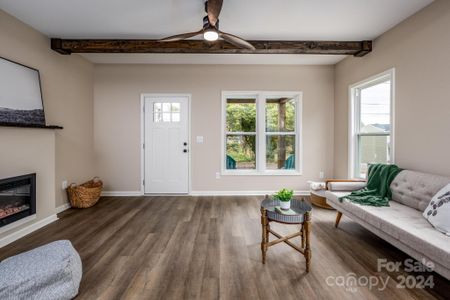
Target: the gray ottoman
pixel 52 271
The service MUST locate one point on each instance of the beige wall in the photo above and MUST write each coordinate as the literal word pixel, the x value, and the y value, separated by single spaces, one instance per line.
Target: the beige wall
pixel 25 151
pixel 419 50
pixel 67 84
pixel 117 119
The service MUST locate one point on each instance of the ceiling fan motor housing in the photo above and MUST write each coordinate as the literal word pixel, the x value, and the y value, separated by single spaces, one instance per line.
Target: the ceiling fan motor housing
pixel 207 25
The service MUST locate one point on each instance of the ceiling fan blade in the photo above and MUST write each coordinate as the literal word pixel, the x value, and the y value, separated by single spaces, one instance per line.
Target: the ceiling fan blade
pixel 213 9
pixel 180 37
pixel 237 41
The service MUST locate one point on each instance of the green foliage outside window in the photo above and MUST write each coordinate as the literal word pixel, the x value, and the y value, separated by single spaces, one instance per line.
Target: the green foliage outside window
pixel 272 116
pixel 241 117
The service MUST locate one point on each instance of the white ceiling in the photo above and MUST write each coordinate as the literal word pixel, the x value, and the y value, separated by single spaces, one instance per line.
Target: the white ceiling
pixel 251 19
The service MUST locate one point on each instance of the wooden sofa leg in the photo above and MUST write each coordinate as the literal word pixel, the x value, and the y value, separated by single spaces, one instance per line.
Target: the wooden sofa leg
pixel 338 219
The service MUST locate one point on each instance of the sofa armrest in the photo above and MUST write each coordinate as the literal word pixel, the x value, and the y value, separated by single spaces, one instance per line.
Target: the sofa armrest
pixel 345 185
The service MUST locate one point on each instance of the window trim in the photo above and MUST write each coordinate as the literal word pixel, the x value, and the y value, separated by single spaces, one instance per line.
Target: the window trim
pixel 354 117
pixel 260 97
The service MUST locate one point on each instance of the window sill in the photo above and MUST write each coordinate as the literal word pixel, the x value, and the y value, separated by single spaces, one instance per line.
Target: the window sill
pixel 265 173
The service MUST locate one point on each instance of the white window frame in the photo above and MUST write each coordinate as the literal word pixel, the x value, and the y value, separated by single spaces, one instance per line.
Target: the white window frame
pixel 261 97
pixel 354 119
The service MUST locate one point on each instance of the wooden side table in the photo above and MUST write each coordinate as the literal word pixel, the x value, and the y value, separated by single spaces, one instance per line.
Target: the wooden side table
pixel 303 218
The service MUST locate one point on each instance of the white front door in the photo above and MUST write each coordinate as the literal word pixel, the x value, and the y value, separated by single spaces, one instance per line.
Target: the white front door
pixel 166 157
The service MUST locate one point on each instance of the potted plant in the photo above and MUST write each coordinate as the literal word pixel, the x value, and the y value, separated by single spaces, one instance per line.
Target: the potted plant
pixel 285 197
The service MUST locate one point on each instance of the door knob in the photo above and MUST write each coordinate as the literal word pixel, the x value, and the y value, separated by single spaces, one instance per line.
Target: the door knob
pixel 185 150
pixel 184 144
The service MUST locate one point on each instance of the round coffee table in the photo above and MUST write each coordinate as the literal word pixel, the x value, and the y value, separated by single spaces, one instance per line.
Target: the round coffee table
pixel 302 218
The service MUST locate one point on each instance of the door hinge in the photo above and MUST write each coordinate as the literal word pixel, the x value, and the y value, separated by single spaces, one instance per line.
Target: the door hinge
pixel 143 182
pixel 143 146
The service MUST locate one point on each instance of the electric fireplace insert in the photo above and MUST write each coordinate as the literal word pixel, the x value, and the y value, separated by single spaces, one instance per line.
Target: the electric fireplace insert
pixel 17 198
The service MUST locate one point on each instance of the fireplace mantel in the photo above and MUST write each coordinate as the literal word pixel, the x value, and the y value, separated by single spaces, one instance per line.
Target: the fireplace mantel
pixel 31 126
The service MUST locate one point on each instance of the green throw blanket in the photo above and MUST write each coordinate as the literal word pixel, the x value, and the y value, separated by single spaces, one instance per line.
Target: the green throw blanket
pixel 378 191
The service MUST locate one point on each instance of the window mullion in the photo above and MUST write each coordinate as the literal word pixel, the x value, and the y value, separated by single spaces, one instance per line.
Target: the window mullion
pixel 285 133
pixel 298 138
pixel 240 133
pixel 374 134
pixel 261 136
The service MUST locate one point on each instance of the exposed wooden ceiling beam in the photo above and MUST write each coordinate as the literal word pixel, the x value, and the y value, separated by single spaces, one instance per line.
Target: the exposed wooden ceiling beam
pixel 66 47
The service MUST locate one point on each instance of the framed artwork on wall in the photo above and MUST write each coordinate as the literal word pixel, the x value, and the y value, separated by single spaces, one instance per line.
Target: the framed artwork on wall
pixel 20 95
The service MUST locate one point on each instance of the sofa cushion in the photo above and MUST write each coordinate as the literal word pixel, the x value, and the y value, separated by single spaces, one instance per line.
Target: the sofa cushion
pixel 52 271
pixel 415 189
pixel 403 223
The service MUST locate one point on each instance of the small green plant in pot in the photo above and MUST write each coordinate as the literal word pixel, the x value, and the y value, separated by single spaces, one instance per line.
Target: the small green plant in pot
pixel 285 197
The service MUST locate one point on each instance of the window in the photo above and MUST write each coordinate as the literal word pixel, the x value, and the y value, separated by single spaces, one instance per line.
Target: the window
pixel 166 112
pixel 371 126
pixel 241 133
pixel 261 133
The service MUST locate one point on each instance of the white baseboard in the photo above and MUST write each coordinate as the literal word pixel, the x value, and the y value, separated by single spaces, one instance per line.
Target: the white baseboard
pixel 242 193
pixel 122 193
pixel 202 193
pixel 27 230
pixel 62 208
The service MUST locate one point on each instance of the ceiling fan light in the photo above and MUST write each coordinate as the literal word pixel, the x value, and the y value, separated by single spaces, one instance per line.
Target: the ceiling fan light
pixel 211 35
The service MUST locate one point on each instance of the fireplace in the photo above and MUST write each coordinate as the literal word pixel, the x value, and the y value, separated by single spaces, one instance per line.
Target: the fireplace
pixel 17 198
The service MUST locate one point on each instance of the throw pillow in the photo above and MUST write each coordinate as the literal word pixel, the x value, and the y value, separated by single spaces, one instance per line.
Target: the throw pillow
pixel 316 186
pixel 438 211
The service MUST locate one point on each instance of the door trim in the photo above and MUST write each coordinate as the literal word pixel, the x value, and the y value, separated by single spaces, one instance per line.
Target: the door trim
pixel 142 108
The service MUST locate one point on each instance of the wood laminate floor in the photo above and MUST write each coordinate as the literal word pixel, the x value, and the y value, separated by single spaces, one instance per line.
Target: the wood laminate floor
pixel 209 248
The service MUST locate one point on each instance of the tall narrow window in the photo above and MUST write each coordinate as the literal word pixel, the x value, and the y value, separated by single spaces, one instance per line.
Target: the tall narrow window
pixel 241 134
pixel 261 133
pixel 280 133
pixel 372 103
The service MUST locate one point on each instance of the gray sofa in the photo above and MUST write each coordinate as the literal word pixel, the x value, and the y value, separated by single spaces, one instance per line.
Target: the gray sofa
pixel 401 224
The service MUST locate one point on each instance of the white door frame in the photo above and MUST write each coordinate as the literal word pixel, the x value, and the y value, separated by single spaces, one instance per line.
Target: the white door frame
pixel 143 96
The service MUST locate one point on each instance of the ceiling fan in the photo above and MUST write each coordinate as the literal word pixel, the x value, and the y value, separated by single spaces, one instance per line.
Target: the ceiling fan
pixel 210 28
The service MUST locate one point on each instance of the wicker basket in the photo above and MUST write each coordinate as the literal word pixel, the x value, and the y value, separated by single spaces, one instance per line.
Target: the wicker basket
pixel 86 194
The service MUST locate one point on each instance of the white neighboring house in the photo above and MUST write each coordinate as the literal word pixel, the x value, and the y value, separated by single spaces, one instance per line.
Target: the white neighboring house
pixel 374 149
